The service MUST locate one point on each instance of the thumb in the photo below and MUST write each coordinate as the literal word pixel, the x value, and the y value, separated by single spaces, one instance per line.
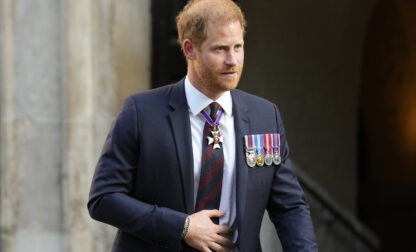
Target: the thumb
pixel 215 213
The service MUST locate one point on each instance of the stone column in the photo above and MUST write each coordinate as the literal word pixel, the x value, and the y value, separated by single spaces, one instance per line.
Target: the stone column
pixel 65 68
pixel 108 57
pixel 31 126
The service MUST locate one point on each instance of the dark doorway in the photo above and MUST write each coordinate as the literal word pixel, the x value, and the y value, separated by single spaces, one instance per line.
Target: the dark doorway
pixel 387 192
pixel 168 63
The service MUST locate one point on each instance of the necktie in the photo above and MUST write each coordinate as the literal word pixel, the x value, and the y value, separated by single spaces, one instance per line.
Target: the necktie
pixel 212 165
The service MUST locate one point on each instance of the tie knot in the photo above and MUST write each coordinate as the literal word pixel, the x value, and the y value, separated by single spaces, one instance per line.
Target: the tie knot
pixel 215 107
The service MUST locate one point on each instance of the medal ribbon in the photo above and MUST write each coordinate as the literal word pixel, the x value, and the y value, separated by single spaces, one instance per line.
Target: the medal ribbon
pixel 266 143
pixel 248 142
pixel 276 146
pixel 259 144
pixel 209 119
pixel 253 142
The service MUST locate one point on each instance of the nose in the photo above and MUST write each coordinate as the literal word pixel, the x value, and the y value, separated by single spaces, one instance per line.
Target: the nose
pixel 231 59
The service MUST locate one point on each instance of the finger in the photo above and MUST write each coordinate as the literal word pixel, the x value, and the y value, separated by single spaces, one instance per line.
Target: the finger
pixel 214 213
pixel 206 250
pixel 218 248
pixel 224 230
pixel 224 242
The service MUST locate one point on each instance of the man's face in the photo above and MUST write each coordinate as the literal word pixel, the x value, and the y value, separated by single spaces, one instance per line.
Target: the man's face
pixel 220 58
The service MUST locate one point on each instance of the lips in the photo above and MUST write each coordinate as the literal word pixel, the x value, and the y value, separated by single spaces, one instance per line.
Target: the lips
pixel 230 74
pixel 233 72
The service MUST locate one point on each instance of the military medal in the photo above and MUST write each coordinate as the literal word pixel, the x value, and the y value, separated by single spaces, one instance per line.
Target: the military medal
pixel 262 149
pixel 268 158
pixel 276 149
pixel 216 137
pixel 250 151
pixel 259 147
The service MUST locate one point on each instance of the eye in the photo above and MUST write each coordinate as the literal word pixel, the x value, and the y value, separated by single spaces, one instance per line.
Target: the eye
pixel 220 48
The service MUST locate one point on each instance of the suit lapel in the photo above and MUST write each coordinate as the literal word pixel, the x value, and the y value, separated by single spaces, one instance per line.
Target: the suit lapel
pixel 181 128
pixel 241 126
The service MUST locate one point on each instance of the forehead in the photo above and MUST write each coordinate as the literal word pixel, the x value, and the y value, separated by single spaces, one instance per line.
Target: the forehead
pixel 220 31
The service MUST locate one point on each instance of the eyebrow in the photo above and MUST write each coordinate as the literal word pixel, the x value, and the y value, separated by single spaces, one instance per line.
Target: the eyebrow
pixel 219 44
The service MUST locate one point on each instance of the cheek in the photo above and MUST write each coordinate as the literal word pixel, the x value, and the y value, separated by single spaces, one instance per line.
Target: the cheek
pixel 214 62
pixel 241 58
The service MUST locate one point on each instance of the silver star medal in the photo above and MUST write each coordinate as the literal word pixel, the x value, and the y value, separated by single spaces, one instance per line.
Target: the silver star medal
pixel 216 139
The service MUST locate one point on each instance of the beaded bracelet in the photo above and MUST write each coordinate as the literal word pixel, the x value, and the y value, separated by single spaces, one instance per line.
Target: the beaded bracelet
pixel 186 227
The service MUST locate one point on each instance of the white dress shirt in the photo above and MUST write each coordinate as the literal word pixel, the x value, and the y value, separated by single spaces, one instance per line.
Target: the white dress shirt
pixel 197 102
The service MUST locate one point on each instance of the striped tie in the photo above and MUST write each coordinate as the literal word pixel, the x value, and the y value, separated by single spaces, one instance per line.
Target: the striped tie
pixel 212 165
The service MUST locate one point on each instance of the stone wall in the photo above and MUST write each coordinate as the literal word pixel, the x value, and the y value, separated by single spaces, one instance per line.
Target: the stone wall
pixel 31 126
pixel 65 68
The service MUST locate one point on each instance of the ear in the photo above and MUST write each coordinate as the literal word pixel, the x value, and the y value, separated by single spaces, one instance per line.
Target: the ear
pixel 189 49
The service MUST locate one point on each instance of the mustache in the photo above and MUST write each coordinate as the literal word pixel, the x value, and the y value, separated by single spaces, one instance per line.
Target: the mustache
pixel 232 69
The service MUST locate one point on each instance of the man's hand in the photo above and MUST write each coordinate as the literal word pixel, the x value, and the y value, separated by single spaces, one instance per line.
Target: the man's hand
pixel 205 236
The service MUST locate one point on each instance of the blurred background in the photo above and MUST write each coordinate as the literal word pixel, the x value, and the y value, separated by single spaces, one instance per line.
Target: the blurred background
pixel 343 74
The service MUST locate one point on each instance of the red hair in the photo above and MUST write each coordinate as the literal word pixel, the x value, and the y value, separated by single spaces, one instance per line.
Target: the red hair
pixel 192 20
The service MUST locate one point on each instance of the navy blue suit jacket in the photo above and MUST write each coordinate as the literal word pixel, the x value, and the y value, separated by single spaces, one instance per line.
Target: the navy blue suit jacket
pixel 143 183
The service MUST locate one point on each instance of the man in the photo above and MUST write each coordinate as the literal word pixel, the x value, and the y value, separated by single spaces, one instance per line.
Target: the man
pixel 189 166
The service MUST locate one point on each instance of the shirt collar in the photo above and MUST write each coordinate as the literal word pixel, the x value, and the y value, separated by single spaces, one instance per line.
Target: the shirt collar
pixel 197 101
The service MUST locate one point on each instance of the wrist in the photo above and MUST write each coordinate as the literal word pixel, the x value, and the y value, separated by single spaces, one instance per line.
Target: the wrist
pixel 186 227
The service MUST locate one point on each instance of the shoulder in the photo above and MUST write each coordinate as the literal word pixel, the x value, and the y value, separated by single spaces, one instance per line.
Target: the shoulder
pixel 252 102
pixel 263 114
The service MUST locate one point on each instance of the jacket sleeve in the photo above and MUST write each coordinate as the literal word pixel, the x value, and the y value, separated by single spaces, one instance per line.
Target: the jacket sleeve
pixel 110 201
pixel 287 207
